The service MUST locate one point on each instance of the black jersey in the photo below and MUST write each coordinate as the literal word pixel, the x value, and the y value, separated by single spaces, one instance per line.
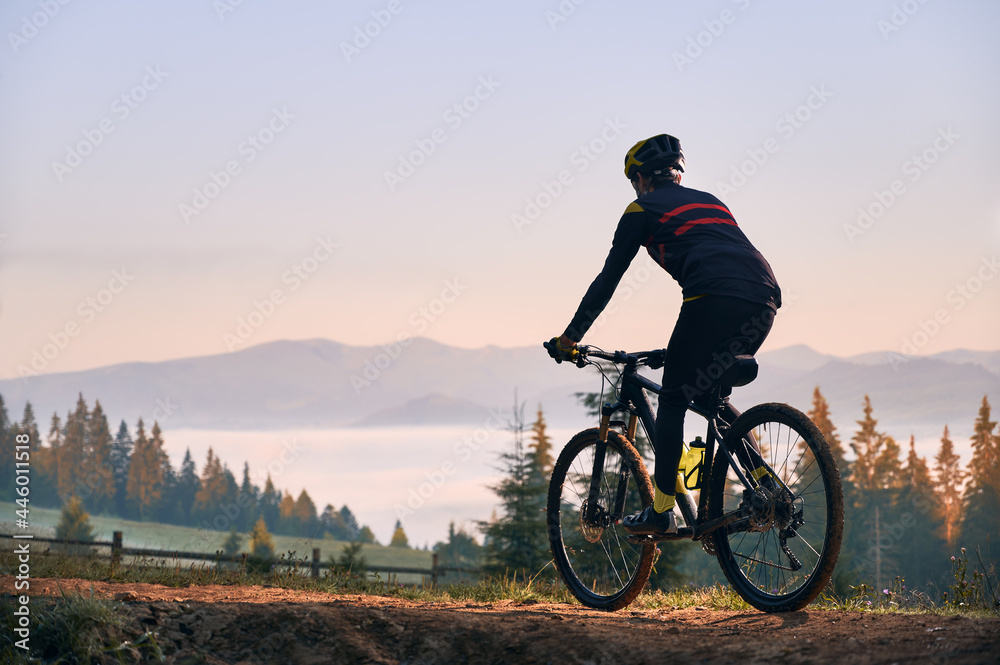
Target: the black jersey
pixel 694 237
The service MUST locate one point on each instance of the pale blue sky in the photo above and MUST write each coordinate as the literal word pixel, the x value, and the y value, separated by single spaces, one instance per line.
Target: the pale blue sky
pixel 886 96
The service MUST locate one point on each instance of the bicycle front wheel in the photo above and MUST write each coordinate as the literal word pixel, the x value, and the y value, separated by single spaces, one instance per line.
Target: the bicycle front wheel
pixel 781 555
pixel 598 564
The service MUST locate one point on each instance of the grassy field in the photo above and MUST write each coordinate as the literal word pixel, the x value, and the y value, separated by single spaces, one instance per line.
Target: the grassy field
pixel 152 535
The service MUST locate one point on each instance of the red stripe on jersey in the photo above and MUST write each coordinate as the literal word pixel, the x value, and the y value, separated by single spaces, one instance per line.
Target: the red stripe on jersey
pixel 707 220
pixel 704 220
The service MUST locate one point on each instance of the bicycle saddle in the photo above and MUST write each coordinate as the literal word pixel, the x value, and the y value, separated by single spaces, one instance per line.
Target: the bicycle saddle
pixel 738 366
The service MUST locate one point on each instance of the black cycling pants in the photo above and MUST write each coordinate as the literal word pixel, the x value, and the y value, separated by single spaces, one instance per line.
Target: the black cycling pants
pixel 703 325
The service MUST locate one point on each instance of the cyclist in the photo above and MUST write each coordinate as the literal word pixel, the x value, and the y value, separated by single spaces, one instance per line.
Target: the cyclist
pixel 728 289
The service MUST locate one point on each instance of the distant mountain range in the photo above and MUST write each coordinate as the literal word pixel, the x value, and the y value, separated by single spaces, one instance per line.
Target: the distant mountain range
pixel 320 384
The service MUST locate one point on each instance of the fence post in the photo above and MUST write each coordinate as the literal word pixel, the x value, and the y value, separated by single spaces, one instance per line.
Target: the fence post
pixel 116 548
pixel 434 569
pixel 315 563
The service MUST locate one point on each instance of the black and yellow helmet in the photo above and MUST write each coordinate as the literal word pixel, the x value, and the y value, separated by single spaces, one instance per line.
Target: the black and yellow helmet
pixel 653 155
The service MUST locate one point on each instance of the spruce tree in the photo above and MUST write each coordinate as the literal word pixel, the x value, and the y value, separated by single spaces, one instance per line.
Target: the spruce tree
pixel 121 459
pixel 74 524
pixel 517 540
pixel 305 515
pixel 7 450
pixel 541 446
pixel 981 521
pixel 72 452
pixel 212 491
pixel 399 538
pixel 188 484
pixel 46 491
pixel 144 489
pixel 918 528
pixel 332 522
pixel 948 484
pixel 269 501
pixel 247 500
pixel 288 522
pixel 350 523
pixel 261 544
pixel 98 469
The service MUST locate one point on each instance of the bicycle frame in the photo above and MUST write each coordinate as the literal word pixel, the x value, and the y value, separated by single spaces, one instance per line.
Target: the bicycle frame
pixel 632 398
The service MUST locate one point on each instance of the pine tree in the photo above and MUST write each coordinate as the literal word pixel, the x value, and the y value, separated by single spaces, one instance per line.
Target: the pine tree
pixel 247 500
pixel 920 548
pixel 73 450
pixel 269 504
pixel 188 485
pixel 332 522
pixel 121 459
pixel 7 450
pixel 541 446
pixel 981 521
pixel 950 476
pixel 144 489
pixel 211 490
pixel 261 544
pixel 98 469
pixel 305 515
pixel 516 542
pixel 47 466
pixel 399 538
pixel 820 415
pixel 288 522
pixel 350 522
pixel 74 524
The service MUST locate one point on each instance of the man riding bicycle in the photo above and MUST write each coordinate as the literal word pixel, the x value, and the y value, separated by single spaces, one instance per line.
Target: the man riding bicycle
pixel 728 288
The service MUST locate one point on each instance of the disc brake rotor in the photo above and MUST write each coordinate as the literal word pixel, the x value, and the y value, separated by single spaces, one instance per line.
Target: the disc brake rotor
pixel 591 532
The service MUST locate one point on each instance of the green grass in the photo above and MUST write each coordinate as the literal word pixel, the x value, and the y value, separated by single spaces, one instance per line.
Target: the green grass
pixel 153 535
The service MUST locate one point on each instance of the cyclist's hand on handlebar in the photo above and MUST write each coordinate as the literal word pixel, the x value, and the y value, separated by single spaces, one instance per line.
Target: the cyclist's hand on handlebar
pixel 560 351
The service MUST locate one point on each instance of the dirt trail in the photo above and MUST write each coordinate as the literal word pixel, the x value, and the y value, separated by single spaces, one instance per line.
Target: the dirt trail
pixel 231 624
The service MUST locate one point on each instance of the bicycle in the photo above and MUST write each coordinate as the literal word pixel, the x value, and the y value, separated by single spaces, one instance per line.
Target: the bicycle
pixel 771 511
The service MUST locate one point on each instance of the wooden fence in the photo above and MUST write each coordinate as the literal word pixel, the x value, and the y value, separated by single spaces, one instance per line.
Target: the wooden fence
pixel 118 550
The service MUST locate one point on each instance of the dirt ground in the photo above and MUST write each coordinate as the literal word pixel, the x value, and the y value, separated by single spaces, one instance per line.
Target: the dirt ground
pixel 228 624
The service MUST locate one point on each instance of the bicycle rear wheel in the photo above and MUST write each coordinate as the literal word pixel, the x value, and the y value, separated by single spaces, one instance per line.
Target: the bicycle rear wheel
pixel 598 564
pixel 781 556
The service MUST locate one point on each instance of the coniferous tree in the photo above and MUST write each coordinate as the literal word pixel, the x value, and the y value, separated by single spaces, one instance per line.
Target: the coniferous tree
pixel 46 466
pixel 288 522
pixel 247 500
pixel 949 478
pixel 460 551
pixel 918 531
pixel 399 538
pixel 366 535
pixel 305 514
pixel 74 524
pixel 270 500
pixel 121 459
pixel 261 544
pixel 212 491
pixel 516 541
pixel 541 446
pixel 7 450
pixel 981 519
pixel 73 450
pixel 97 471
pixel 332 522
pixel 144 489
pixel 350 523
pixel 188 484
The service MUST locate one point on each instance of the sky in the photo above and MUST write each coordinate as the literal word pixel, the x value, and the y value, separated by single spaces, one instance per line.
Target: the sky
pixel 195 177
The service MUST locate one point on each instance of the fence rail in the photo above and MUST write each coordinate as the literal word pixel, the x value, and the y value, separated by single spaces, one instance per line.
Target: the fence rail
pixel 118 550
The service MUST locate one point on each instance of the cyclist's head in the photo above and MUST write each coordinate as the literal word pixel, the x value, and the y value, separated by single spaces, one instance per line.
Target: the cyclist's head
pixel 658 158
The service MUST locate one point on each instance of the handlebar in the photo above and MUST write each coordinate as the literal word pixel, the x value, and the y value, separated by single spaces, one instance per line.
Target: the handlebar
pixel 652 359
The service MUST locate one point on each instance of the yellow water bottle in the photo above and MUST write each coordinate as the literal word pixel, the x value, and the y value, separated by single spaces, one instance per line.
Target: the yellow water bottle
pixel 693 464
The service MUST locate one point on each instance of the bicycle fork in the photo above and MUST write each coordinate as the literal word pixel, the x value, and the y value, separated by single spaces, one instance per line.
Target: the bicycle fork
pixel 621 491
